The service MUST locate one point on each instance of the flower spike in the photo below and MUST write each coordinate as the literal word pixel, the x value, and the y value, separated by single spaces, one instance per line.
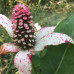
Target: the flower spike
pixel 21 18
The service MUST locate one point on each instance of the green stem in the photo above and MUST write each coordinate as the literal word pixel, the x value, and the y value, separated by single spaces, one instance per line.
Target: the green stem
pixel 0 62
pixel 10 63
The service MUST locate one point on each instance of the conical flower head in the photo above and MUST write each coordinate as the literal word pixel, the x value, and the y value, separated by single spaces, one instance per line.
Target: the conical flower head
pixel 24 32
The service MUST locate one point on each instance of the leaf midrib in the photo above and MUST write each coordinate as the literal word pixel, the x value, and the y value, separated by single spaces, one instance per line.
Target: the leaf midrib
pixel 60 63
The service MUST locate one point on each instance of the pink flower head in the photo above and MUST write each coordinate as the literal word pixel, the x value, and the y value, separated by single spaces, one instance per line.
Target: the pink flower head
pixel 20 24
pixel 22 39
pixel 26 26
pixel 20 20
pixel 24 18
pixel 15 21
pixel 19 10
pixel 22 31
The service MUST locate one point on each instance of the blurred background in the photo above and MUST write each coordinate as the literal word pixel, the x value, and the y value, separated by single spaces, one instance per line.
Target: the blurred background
pixel 45 12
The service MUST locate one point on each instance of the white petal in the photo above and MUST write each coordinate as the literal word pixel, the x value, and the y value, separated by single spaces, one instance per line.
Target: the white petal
pixel 8 48
pixel 6 23
pixel 52 39
pixel 44 31
pixel 23 62
pixel 38 27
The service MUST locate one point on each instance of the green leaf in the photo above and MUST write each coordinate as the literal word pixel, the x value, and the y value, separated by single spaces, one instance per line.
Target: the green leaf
pixel 58 60
pixel 66 26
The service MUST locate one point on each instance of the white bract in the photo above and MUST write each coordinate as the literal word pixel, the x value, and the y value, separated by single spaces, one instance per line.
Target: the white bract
pixel 38 27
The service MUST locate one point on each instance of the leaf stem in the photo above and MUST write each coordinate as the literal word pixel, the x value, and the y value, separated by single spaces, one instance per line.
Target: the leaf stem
pixel 10 63
pixel 0 62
